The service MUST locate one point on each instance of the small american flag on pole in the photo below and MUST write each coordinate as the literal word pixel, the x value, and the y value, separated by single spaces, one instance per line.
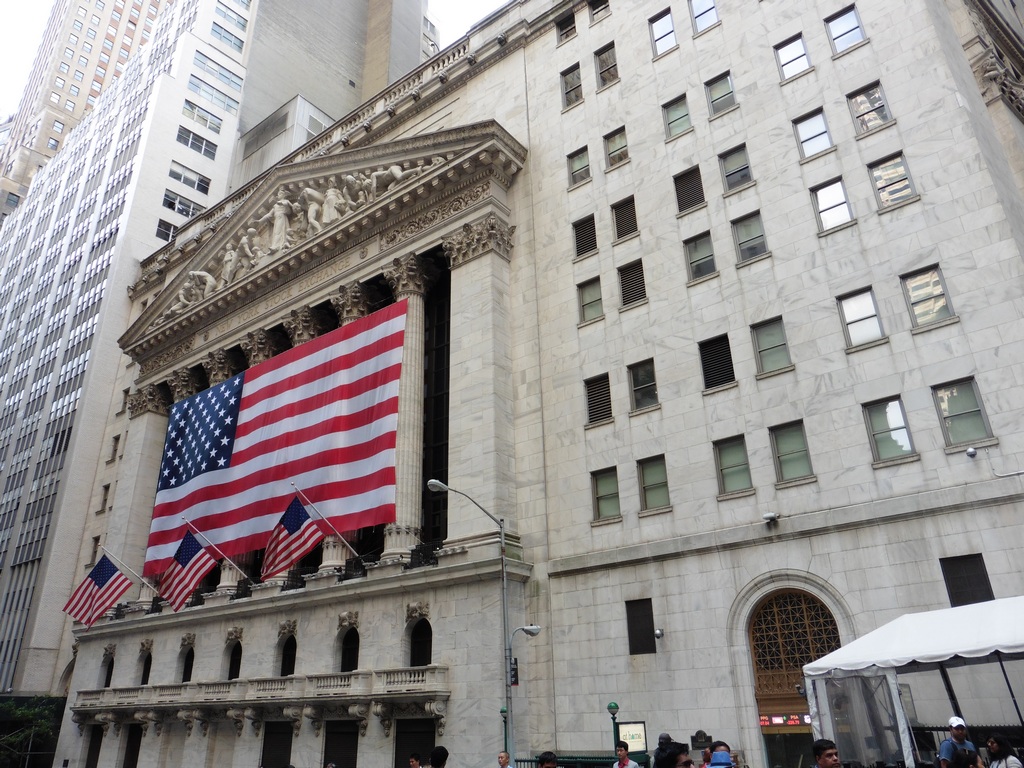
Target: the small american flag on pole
pixel 100 590
pixel 191 562
pixel 323 415
pixel 292 538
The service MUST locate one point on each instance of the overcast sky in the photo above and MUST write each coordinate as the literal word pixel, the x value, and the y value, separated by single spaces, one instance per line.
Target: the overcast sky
pixel 23 29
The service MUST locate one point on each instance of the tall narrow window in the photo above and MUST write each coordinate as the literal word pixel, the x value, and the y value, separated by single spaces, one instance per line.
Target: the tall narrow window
pixel 572 86
pixel 147 668
pixel 962 416
pixel 605 485
pixel 677 117
pixel 812 134
pixel 643 385
pixel 187 662
pixel 716 362
pixel 720 93
pixel 844 30
pixel 704 14
pixel 733 467
pixel 624 216
pixel 615 147
pixel 350 650
pixel 831 205
pixel 288 651
pixel 789 447
pixel 700 256
pixel 585 236
pixel 640 626
pixel 653 483
pixel 235 661
pixel 689 189
pixel 663 33
pixel 887 426
pixel 599 399
pixel 770 346
pixel 750 239
pixel 926 296
pixel 607 66
pixel 591 306
pixel 868 108
pixel 631 283
pixel 579 166
pixel 892 181
pixel 421 641
pixel 860 318
pixel 792 58
pixel 566 27
pixel 735 168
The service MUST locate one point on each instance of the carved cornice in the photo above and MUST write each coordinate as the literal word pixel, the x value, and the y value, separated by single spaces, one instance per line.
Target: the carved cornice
pixel 149 399
pixel 433 216
pixel 166 357
pixel 354 301
pixel 410 275
pixel 474 240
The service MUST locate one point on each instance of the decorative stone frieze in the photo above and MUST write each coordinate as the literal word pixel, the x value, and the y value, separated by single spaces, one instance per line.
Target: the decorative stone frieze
pixel 235 634
pixel 183 383
pixel 149 399
pixel 476 239
pixel 347 620
pixel 188 640
pixel 304 324
pixel 434 216
pixel 419 610
pixel 166 357
pixel 354 301
pixel 261 345
pixel 286 628
pixel 410 274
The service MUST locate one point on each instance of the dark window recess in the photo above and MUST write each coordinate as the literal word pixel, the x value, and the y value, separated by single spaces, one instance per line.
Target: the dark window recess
pixel 420 643
pixel 235 664
pixel 341 743
pixel 132 746
pixel 288 656
pixel 108 672
pixel 186 665
pixel 689 189
pixel 716 362
pixel 624 214
pixel 966 579
pixel 631 279
pixel 147 668
pixel 585 233
pixel 599 399
pixel 350 651
pixel 277 743
pixel 92 757
pixel 411 735
pixel 640 625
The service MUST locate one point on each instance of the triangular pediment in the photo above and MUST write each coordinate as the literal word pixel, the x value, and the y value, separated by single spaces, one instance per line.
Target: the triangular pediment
pixel 302 213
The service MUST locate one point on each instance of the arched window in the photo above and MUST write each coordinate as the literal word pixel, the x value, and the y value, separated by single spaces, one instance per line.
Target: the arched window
pixel 108 671
pixel 288 656
pixel 420 641
pixel 235 661
pixel 350 650
pixel 186 665
pixel 147 666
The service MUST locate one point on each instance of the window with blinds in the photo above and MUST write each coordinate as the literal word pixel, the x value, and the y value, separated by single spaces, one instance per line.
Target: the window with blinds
pixel 716 362
pixel 631 283
pixel 585 233
pixel 599 399
pixel 624 216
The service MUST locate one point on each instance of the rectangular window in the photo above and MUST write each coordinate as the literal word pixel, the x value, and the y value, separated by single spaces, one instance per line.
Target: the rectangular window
pixel 60 82
pixel 963 419
pixel 792 58
pixel 74 90
pixel 189 177
pixel 831 205
pixel 640 627
pixel 689 189
pixel 720 93
pixel 812 134
pixel 733 467
pixel 663 33
pixel 598 9
pixel 926 296
pixel 599 399
pixel 624 216
pixel 79 75
pixel 63 67
pixel 210 93
pixel 868 108
pixel 631 283
pixel 211 67
pixel 607 67
pixel 700 256
pixel 887 425
pixel 180 204
pixel 750 239
pixel 13 199
pixel 76 25
pixel 196 142
pixel 231 17
pixel 770 346
pixel 579 166
pixel 202 116
pixel 572 87
pixel 735 168
pixel 585 235
pixel 677 117
pixel 165 230
pixel 605 485
pixel 643 385
pixel 69 53
pixel 844 30
pixel 704 14
pixel 566 27
pixel 55 97
pixel 219 33
pixel 892 181
pixel 69 105
pixel 789 446
pixel 966 579
pixel 716 362
pixel 615 147
pixel 860 318
pixel 52 143
pixel 591 306
pixel 653 483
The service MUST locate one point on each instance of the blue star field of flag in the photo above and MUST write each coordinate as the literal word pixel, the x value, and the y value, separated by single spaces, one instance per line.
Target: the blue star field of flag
pixel 201 433
pixel 294 516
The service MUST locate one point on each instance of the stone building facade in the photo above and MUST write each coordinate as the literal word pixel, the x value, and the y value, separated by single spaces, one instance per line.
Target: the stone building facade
pixel 707 302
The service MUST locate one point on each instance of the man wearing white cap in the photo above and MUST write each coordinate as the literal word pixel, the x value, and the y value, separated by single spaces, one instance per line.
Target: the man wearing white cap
pixel 956 742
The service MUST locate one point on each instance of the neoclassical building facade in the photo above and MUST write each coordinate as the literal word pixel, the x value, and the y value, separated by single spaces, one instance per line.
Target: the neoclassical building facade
pixel 705 302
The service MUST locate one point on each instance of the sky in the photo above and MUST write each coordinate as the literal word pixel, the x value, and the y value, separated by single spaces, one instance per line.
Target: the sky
pixel 23 25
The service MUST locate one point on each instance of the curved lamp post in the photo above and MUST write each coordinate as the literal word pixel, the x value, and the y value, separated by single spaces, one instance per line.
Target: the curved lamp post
pixel 532 630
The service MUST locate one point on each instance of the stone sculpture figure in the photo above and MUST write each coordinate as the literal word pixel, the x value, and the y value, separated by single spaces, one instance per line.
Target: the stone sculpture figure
pixel 232 265
pixel 249 246
pixel 280 218
pixel 333 206
pixel 312 202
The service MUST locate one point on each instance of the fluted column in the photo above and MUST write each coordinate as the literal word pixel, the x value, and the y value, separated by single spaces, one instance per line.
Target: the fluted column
pixel 409 277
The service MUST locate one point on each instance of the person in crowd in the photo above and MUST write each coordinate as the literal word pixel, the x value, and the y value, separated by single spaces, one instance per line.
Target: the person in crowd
pixel 966 758
pixel 1001 753
pixel 503 759
pixel 957 742
pixel 547 760
pixel 675 755
pixel 438 757
pixel 622 753
pixel 826 755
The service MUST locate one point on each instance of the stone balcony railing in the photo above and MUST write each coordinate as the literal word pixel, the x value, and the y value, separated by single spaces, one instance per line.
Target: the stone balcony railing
pixel 346 695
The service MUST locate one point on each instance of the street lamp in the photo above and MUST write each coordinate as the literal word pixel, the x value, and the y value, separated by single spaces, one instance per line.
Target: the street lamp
pixel 510 740
pixel 613 710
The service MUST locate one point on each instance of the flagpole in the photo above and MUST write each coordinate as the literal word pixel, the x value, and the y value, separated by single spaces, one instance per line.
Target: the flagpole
pixel 330 525
pixel 214 546
pixel 133 573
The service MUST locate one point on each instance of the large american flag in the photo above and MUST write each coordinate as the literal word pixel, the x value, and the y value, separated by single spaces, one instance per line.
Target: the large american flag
pixel 100 590
pixel 322 415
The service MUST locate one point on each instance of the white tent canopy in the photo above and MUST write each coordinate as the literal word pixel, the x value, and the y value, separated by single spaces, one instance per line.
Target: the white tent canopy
pixel 969 631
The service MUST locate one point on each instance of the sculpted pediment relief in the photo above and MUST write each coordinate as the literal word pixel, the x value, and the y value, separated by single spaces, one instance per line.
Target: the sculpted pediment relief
pixel 304 213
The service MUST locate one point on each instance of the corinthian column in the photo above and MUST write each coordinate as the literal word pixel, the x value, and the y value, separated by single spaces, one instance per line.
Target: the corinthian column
pixel 409 277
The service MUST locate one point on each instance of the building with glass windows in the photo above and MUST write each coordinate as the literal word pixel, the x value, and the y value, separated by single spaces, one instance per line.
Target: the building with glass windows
pixel 156 150
pixel 707 302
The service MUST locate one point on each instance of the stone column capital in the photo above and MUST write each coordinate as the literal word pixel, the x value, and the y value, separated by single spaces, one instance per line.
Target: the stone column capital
pixel 354 301
pixel 260 345
pixel 149 399
pixel 219 367
pixel 477 238
pixel 410 274
pixel 184 383
pixel 304 324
